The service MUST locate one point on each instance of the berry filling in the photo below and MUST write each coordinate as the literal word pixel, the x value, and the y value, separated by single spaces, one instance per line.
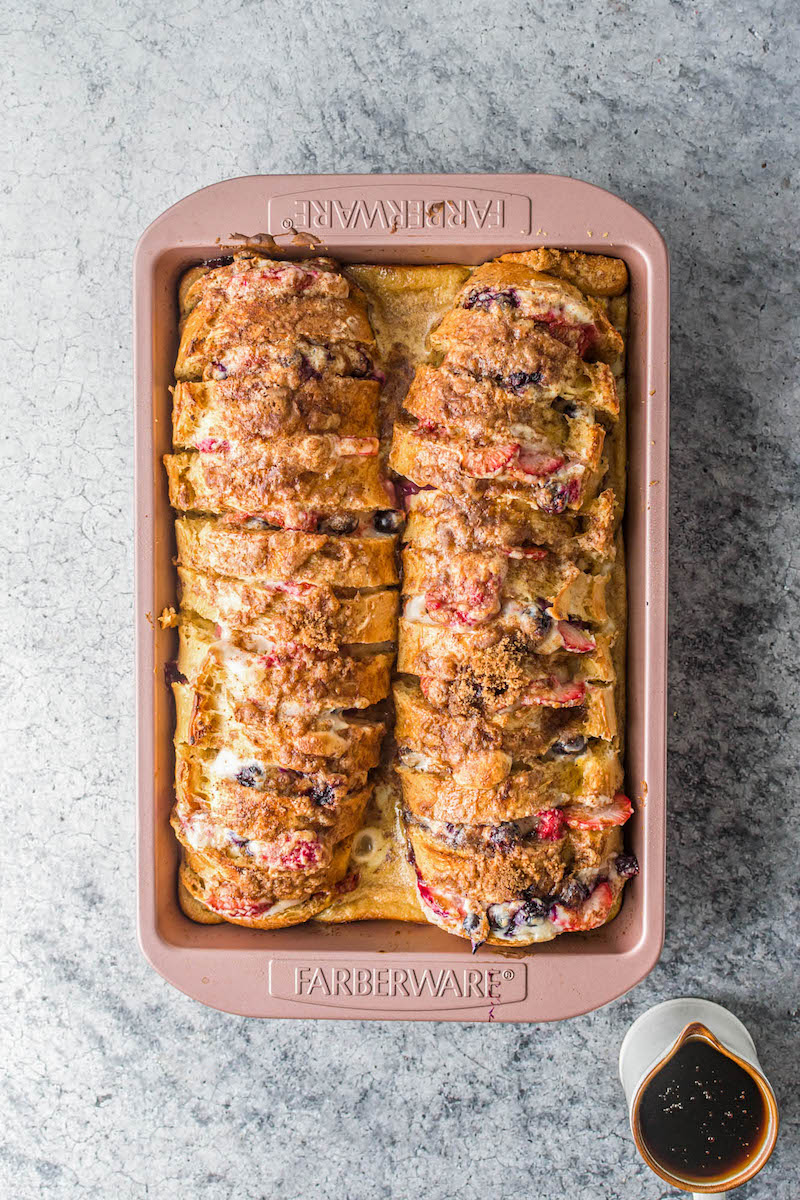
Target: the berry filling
pixel 534 462
pixel 387 520
pixel 250 776
pixel 627 865
pixel 532 552
pixel 489 460
pixel 588 914
pixel 575 639
pixel 553 693
pixel 579 337
pixel 484 298
pixel 556 496
pixel 518 381
pixel 476 603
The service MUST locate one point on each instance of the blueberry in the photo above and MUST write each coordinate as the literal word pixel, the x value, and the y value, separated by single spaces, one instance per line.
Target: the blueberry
pixel 322 794
pixel 504 837
pixel 573 745
pixel 386 520
pixel 250 775
pixel 556 499
pixel 536 616
pixel 471 922
pixel 573 893
pixel 483 298
pixel 306 371
pixel 518 380
pixel 224 261
pixel 627 865
pixel 340 523
pixel 533 909
pixel 239 842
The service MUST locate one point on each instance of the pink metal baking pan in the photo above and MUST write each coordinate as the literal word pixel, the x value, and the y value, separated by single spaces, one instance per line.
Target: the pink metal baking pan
pixel 385 970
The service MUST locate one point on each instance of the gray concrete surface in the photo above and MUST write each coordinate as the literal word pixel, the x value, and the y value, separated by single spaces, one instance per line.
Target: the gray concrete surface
pixel 116 1085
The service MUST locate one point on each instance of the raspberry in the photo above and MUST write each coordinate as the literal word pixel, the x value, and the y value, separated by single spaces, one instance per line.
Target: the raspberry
pixel 551 825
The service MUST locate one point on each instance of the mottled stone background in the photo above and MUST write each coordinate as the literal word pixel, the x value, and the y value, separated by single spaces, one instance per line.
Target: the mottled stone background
pixel 117 1085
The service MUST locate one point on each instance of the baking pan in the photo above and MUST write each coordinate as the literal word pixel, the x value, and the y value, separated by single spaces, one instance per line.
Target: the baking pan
pixel 389 970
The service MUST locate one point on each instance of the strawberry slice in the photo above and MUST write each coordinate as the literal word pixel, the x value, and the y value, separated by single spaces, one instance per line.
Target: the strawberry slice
pixel 361 446
pixel 488 460
pixel 575 639
pixel 551 824
pixel 429 898
pixel 589 915
pixel 578 337
pixel 552 693
pixel 539 463
pixel 578 816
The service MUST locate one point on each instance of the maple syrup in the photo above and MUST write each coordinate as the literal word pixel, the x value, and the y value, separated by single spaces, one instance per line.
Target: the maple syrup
pixel 702 1117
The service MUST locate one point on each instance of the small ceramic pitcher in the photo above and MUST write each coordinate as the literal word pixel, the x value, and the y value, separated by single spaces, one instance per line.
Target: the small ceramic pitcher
pixel 655 1037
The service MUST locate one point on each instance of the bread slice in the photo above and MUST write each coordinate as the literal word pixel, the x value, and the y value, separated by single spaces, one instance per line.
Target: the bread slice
pixel 277 681
pixel 514 290
pixel 590 775
pixel 480 748
pixel 193 887
pixel 233 549
pixel 511 522
pixel 291 474
pixel 508 668
pixel 553 477
pixel 455 400
pixel 248 409
pixel 528 893
pixel 474 587
pixel 518 355
pixel 210 330
pixel 258 802
pixel 323 745
pixel 594 274
pixel 259 900
pixel 307 613
pixel 250 272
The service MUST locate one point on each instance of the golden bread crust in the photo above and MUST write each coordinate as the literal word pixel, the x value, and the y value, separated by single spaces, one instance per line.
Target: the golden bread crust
pixel 246 409
pixel 513 620
pixel 285 555
pixel 511 641
pixel 308 613
pixel 295 475
pixel 594 274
